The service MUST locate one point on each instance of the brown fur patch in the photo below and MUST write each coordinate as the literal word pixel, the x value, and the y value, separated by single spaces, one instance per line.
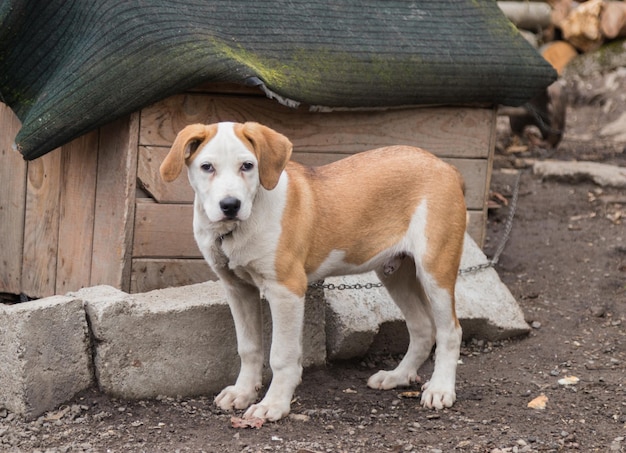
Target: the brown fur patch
pixel 272 150
pixel 185 147
pixel 363 205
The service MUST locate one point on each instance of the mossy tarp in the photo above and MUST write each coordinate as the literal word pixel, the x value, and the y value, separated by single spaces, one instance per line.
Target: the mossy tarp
pixel 70 66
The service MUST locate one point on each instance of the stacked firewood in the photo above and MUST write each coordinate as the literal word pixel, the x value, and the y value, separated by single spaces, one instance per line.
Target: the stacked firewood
pixel 561 30
pixel 567 27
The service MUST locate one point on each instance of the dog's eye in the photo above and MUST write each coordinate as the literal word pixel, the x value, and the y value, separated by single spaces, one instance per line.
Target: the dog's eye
pixel 207 167
pixel 247 166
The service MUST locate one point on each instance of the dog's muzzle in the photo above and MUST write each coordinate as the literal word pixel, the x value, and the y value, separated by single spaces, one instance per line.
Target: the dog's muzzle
pixel 230 207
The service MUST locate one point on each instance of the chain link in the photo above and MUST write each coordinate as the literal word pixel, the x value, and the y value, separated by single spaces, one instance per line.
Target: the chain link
pixel 508 226
pixel 342 286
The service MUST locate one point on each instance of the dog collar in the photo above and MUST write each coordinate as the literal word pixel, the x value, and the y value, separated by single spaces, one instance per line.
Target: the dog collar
pixel 221 237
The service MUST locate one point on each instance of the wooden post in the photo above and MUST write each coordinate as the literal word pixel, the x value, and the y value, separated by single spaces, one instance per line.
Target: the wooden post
pixel 115 203
pixel 76 217
pixel 12 204
pixel 41 225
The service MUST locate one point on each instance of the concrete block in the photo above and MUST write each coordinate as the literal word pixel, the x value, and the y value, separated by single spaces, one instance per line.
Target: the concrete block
pixel 355 316
pixel 45 354
pixel 485 306
pixel 174 341
pixel 367 320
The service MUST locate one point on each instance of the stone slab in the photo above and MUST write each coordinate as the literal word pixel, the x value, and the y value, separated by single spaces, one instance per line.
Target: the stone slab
pixel 45 353
pixel 174 341
pixel 361 321
pixel 601 174
pixel 616 130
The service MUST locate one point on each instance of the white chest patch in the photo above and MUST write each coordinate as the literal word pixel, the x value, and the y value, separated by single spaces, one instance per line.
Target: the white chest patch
pixel 252 247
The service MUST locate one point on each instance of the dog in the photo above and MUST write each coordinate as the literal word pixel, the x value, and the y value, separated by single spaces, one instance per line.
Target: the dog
pixel 268 227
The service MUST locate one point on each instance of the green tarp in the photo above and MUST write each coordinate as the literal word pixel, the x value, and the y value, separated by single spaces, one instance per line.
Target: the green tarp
pixel 70 66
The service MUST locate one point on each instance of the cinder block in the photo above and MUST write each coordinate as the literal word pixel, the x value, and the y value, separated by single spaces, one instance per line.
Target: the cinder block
pixel 174 341
pixel 367 320
pixel 355 316
pixel 485 306
pixel 45 354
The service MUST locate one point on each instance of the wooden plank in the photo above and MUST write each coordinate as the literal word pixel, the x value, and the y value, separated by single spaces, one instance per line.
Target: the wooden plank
pixel 12 204
pixel 148 177
pixel 155 273
pixel 164 230
pixel 474 173
pixel 476 226
pixel 76 218
pixel 149 274
pixel 115 203
pixel 445 131
pixel 481 235
pixel 41 225
pixel 179 191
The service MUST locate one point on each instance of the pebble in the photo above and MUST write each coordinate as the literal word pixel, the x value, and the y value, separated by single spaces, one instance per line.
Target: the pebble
pixel 616 445
pixel 598 311
pixel 299 417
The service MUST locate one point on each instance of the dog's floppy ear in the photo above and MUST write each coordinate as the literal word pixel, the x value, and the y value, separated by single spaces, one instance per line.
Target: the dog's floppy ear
pixel 272 150
pixel 187 142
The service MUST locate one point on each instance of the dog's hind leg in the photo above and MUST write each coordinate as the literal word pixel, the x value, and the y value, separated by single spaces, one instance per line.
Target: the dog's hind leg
pixel 245 305
pixel 438 278
pixel 407 292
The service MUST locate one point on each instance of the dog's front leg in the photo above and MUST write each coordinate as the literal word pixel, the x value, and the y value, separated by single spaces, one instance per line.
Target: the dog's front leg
pixel 285 355
pixel 245 305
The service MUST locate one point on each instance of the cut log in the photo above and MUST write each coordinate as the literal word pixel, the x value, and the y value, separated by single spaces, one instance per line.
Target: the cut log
pixel 527 15
pixel 558 54
pixel 613 20
pixel 561 9
pixel 581 27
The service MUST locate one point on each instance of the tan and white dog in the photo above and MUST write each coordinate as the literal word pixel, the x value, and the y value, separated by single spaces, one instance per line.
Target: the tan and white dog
pixel 269 226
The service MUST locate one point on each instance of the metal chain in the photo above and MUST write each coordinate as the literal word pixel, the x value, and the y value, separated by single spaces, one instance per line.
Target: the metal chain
pixel 342 286
pixel 508 226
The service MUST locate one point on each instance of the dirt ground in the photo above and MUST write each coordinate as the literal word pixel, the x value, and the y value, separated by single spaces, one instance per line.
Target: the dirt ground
pixel 565 263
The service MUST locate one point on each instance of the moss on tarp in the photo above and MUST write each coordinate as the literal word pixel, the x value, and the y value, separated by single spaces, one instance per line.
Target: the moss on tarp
pixel 69 67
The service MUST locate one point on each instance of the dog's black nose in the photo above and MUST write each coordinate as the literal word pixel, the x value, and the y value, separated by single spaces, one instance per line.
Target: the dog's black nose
pixel 230 207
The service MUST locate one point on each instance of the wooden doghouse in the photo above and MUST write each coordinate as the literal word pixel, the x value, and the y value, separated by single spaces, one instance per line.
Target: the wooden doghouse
pixel 65 229
pixel 93 211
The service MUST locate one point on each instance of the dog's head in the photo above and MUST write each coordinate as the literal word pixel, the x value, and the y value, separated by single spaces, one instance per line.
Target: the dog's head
pixel 227 163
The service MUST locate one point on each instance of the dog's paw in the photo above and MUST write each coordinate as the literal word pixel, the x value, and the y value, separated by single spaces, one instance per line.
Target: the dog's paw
pixel 268 410
pixel 437 397
pixel 233 397
pixel 385 380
